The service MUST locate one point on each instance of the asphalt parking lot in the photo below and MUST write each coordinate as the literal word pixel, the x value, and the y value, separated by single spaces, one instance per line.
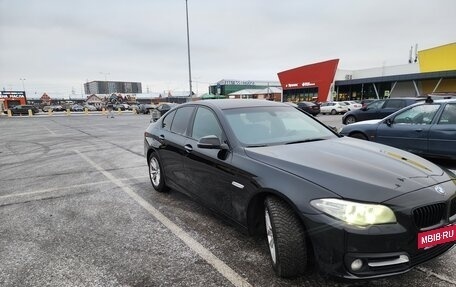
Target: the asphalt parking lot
pixel 77 209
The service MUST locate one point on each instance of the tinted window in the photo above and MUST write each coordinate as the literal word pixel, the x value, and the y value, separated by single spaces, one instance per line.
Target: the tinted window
pixel 166 124
pixel 181 120
pixel 394 104
pixel 205 124
pixel 376 105
pixel 448 115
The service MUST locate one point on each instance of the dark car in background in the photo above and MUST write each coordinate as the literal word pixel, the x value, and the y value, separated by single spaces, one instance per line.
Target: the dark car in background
pixel 311 108
pixel 23 110
pixel 427 129
pixel 356 209
pixel 365 102
pixel 145 108
pixel 160 110
pixel 378 109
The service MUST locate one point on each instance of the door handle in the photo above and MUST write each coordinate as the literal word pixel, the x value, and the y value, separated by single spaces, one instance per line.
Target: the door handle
pixel 162 137
pixel 188 148
pixel 419 130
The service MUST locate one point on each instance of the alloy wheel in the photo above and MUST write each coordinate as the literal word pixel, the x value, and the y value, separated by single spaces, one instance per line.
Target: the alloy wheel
pixel 270 236
pixel 154 170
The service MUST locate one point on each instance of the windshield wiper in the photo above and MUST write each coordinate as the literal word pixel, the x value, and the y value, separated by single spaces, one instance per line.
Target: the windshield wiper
pixel 305 141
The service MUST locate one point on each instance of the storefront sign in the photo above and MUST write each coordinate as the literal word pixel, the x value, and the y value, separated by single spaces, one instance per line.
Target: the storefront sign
pixel 239 83
pixel 291 85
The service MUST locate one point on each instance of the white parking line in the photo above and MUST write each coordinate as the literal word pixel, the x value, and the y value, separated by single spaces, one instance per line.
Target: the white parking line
pixel 54 189
pixel 440 276
pixel 204 253
pixel 53 133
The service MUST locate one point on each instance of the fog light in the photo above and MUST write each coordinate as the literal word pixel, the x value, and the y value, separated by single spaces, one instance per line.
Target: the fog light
pixel 357 264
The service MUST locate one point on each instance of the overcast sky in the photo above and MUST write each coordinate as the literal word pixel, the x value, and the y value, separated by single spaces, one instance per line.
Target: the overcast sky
pixel 57 45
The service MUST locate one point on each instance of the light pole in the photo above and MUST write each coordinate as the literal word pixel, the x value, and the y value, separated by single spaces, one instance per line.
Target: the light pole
pixel 188 50
pixel 23 85
pixel 105 75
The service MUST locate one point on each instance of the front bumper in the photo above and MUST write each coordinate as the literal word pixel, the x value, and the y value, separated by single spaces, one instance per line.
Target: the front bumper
pixel 383 250
pixel 386 249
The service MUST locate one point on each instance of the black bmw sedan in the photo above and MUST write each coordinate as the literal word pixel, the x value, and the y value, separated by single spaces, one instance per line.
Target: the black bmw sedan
pixel 353 208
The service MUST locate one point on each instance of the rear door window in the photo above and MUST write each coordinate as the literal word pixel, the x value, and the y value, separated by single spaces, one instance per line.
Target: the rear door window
pixel 449 115
pixel 376 105
pixel 394 104
pixel 166 124
pixel 181 120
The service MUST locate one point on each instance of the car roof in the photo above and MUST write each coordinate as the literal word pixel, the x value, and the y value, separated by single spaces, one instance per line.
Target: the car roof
pixel 443 101
pixel 224 104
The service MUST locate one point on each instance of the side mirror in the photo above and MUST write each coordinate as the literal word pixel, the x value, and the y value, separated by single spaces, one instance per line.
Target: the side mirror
pixel 211 142
pixel 389 122
pixel 364 108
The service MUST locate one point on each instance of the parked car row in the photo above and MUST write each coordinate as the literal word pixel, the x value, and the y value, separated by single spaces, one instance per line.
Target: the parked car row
pixel 427 128
pixel 53 108
pixel 378 109
pixel 332 107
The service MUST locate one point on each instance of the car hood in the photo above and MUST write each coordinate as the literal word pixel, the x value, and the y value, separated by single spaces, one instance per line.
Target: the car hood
pixel 352 168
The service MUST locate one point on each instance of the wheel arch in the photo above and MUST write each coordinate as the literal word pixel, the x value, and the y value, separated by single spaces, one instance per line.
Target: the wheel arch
pixel 255 211
pixel 353 134
pixel 348 116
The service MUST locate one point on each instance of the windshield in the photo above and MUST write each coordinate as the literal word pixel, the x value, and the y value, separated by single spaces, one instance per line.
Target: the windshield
pixel 262 126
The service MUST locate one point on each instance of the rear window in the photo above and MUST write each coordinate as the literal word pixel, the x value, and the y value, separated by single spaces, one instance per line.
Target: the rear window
pixel 394 104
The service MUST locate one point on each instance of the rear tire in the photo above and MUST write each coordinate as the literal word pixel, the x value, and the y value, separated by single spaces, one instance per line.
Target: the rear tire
pixel 286 238
pixel 333 112
pixel 156 175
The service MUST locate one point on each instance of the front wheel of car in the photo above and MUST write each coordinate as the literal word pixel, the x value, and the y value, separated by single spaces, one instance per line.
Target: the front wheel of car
pixel 350 120
pixel 156 174
pixel 286 238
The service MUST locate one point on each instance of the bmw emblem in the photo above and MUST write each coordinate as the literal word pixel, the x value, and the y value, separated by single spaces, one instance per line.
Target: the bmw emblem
pixel 439 189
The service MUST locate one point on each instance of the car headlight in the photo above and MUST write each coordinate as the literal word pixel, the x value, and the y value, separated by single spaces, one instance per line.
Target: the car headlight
pixel 355 213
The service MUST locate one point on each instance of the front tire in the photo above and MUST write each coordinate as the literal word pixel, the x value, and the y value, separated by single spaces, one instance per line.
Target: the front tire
pixel 156 175
pixel 350 120
pixel 286 238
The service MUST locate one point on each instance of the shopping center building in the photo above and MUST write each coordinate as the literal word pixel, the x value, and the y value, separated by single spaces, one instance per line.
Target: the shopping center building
pixel 431 71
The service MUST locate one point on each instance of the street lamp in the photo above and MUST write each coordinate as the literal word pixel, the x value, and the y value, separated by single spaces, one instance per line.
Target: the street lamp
pixel 188 51
pixel 23 86
pixel 105 75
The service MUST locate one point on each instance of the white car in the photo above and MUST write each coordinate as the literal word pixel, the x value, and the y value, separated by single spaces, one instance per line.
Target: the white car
pixel 352 105
pixel 90 108
pixel 333 108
